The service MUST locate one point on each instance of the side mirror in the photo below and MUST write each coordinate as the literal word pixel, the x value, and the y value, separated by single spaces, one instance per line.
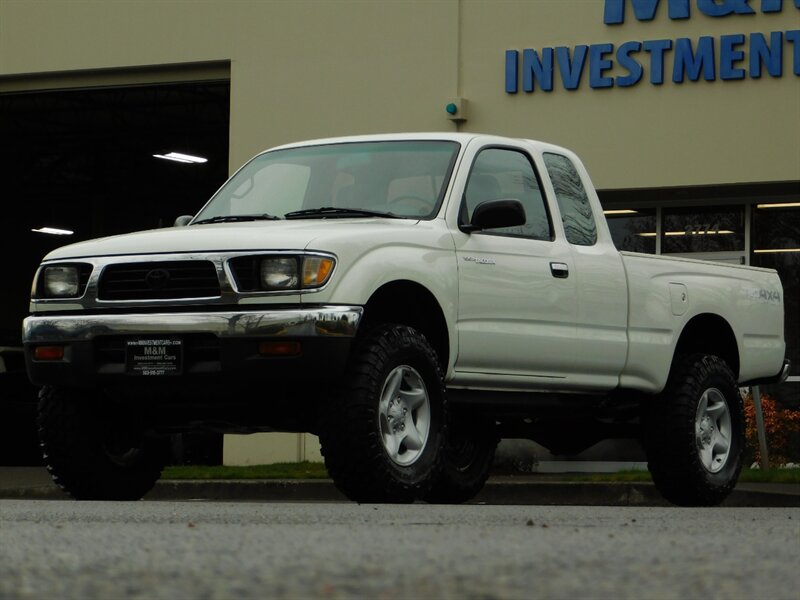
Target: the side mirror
pixel 183 220
pixel 493 214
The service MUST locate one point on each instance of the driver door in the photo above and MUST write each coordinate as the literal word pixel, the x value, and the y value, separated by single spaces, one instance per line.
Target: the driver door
pixel 517 295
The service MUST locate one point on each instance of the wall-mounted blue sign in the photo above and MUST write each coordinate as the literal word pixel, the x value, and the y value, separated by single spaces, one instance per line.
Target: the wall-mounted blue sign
pixel 728 57
pixel 645 10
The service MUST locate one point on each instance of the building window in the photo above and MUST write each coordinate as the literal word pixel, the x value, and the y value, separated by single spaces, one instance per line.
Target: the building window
pixel 703 229
pixel 776 245
pixel 633 230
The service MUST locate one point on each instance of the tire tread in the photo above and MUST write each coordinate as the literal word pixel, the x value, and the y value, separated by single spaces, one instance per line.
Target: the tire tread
pixel 670 440
pixel 351 444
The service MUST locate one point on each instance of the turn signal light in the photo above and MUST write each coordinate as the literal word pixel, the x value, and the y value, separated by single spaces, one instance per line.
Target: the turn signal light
pixel 279 348
pixel 316 270
pixel 48 353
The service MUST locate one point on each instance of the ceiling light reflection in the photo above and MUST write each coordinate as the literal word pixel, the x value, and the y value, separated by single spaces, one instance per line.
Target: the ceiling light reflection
pixel 53 231
pixel 182 158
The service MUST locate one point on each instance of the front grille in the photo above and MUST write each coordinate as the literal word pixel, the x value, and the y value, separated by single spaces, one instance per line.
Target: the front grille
pixel 159 281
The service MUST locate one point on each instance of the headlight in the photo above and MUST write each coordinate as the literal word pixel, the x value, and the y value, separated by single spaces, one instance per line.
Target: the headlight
pixel 279 273
pixel 61 282
pixel 65 280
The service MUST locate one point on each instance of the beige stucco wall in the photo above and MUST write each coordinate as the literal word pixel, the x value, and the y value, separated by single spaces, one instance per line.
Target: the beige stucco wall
pixel 315 68
pixel 312 68
pixel 268 448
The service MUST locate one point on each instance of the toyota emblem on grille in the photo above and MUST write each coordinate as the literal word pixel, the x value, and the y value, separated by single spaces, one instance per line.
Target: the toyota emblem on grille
pixel 157 279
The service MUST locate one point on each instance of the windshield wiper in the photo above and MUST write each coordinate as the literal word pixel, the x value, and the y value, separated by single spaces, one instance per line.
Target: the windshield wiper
pixel 331 211
pixel 234 218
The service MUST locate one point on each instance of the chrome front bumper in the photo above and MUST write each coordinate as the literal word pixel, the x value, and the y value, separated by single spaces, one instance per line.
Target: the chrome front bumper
pixel 220 347
pixel 325 321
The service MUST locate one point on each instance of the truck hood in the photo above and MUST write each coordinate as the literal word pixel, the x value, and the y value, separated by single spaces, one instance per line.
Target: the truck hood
pixel 252 235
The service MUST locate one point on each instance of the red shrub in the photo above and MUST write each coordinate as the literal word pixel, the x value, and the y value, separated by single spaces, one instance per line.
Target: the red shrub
pixel 782 426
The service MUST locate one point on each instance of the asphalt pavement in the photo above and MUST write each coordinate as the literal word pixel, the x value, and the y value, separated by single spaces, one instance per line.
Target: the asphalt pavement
pixel 342 550
pixel 35 483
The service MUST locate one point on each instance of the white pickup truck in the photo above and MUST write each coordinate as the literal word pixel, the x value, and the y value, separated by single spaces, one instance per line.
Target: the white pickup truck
pixel 411 299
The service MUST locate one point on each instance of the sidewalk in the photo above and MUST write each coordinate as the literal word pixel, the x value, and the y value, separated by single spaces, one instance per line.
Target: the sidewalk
pixel 34 483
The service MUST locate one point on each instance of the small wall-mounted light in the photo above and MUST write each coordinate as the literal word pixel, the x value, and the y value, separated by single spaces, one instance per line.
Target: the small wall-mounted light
pixel 456 109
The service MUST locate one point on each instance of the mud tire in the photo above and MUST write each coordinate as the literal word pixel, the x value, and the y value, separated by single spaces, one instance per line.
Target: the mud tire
pixel 694 433
pixel 355 443
pixel 92 457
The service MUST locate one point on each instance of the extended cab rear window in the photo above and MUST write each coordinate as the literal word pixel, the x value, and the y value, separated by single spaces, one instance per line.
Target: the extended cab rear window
pixel 573 202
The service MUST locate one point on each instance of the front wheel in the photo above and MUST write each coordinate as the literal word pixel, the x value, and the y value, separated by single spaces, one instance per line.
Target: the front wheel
pixel 694 433
pixel 382 436
pixel 94 455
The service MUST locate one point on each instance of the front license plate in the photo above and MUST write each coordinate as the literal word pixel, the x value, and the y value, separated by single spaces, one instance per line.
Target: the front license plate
pixel 154 357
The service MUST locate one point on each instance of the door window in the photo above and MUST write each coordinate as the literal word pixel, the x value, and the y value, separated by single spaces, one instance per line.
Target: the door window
pixel 500 173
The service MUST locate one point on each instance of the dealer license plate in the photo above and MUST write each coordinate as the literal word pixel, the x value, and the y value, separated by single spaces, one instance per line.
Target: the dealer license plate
pixel 154 357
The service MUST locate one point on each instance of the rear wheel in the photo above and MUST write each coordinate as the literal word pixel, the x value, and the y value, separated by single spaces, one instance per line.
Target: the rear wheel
pixel 93 455
pixel 694 433
pixel 383 435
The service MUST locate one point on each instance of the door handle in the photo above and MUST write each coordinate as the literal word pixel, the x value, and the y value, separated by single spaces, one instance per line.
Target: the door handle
pixel 560 270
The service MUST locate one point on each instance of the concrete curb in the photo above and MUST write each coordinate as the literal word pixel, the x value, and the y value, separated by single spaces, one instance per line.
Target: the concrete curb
pixel 506 491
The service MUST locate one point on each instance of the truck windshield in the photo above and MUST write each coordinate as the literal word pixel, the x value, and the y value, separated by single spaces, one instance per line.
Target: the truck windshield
pixel 404 179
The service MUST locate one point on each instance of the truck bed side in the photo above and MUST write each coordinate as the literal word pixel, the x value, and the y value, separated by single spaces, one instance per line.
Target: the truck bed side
pixel 734 309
